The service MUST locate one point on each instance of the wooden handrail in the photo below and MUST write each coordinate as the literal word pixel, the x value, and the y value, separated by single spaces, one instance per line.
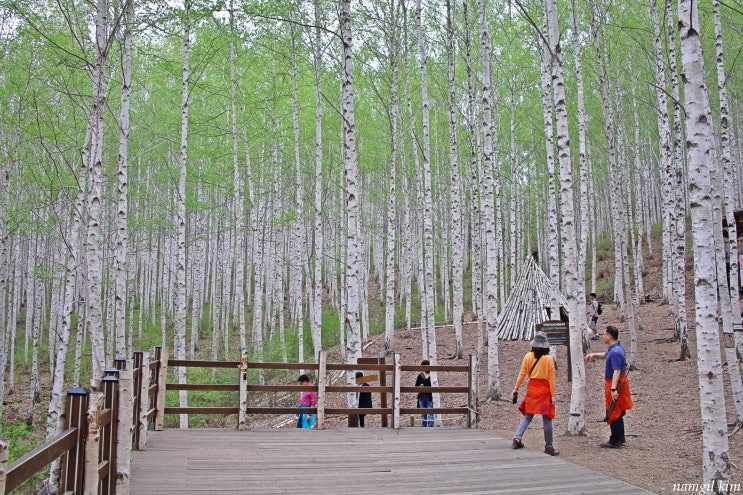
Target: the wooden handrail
pixel 92 441
pixel 27 466
pixel 321 410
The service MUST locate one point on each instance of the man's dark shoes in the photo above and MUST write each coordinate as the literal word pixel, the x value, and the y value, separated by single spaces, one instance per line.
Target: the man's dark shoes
pixel 551 451
pixel 517 444
pixel 612 445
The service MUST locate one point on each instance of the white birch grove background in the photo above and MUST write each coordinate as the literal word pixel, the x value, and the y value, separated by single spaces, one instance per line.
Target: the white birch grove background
pixel 293 176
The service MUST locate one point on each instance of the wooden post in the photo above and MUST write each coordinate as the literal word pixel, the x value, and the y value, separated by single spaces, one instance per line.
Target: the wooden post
pixel 243 376
pixel 71 475
pixel 397 378
pixel 472 394
pixel 383 383
pixel 3 463
pixel 144 401
pixel 110 384
pixel 92 444
pixel 124 430
pixel 136 367
pixel 161 380
pixel 322 359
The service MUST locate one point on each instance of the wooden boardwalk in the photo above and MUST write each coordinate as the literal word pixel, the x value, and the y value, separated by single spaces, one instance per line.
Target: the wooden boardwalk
pixel 354 461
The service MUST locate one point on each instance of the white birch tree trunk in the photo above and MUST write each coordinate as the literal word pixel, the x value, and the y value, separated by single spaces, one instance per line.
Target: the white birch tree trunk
pixel 678 218
pixel 702 160
pixel 93 313
pixel 353 254
pixel 553 243
pixel 728 186
pixel 427 248
pixel 179 332
pixel 488 163
pixel 583 223
pixel 316 318
pixel 122 230
pixel 391 230
pixel 573 280
pixel 455 192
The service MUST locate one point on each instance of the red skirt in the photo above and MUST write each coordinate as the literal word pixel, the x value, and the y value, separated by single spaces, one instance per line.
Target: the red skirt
pixel 538 399
pixel 624 401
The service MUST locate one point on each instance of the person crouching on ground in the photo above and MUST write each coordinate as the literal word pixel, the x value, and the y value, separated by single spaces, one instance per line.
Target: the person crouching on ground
pixel 308 399
pixel 616 391
pixel 539 366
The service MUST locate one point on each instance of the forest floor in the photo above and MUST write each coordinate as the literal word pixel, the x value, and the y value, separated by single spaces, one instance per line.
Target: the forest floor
pixel 664 429
pixel 664 442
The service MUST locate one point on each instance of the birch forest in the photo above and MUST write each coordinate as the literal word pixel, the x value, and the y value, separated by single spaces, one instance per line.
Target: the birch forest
pixel 287 176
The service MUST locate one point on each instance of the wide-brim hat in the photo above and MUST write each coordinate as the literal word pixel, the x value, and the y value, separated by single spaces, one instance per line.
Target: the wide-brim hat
pixel 540 340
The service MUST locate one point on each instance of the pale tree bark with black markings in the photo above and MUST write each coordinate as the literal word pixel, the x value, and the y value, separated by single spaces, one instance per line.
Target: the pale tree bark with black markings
pixel 702 160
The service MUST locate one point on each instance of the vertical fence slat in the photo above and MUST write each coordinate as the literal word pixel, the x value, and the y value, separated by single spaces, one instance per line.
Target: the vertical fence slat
pixel 322 360
pixel 3 463
pixel 110 384
pixel 472 395
pixel 71 474
pixel 243 377
pixel 124 427
pixel 144 401
pixel 92 444
pixel 137 359
pixel 397 378
pixel 161 379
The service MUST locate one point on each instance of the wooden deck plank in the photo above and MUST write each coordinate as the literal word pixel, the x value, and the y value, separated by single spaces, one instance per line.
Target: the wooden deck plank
pixel 354 460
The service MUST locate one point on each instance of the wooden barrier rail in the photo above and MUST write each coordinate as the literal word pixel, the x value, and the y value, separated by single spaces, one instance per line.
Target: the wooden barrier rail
pixel 321 368
pixel 102 426
pixel 99 430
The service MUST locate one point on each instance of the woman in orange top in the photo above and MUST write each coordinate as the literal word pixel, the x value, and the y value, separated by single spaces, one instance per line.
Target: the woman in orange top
pixel 539 366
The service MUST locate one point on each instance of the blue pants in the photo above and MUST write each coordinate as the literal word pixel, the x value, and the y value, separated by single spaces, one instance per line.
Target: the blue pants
pixel 305 420
pixel 424 402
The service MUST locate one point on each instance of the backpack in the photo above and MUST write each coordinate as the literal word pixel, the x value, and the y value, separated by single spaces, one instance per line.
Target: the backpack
pixel 599 310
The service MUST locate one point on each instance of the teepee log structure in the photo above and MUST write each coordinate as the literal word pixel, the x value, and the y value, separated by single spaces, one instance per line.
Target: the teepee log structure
pixel 529 303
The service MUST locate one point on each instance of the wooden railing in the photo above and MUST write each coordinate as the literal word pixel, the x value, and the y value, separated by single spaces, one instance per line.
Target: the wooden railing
pixel 321 369
pixel 103 425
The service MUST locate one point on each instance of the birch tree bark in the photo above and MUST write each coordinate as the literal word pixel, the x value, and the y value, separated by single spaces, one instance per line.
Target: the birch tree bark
pixel 428 253
pixel 353 262
pixel 297 262
pixel 727 181
pixel 573 280
pixel 238 197
pixel 583 223
pixel 179 324
pixel 122 230
pixel 316 318
pixel 678 217
pixel 94 315
pixel 486 191
pixel 553 243
pixel 455 191
pixel 702 159
pixel 391 240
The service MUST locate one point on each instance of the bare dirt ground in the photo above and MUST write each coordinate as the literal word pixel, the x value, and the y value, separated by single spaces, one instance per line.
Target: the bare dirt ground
pixel 663 429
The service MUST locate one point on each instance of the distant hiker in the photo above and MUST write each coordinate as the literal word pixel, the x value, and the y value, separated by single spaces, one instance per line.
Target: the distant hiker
pixel 308 399
pixel 365 399
pixel 593 316
pixel 616 391
pixel 540 391
pixel 425 399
